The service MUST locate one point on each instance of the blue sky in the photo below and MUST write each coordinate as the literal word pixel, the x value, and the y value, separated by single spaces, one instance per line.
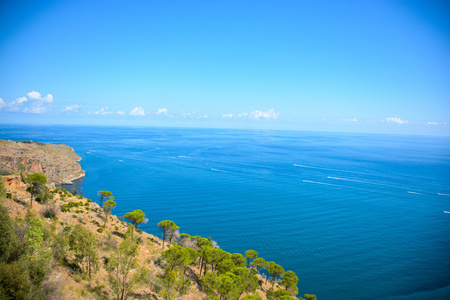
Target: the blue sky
pixel 351 66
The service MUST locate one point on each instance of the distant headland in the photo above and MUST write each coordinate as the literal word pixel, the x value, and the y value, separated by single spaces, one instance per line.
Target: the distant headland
pixel 59 163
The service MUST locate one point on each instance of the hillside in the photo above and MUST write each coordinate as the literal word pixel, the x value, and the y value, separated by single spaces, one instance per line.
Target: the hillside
pixel 66 246
pixel 59 163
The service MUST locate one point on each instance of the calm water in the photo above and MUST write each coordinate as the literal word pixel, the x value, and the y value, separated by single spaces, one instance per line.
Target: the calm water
pixel 355 216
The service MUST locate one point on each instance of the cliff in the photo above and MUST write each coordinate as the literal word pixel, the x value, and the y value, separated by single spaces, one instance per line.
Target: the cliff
pixel 59 163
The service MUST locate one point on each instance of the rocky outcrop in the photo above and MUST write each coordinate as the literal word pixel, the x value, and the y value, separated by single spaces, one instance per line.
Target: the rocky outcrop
pixel 59 163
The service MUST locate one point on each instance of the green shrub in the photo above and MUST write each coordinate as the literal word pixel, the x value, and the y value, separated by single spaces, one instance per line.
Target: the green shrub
pixel 139 231
pixel 49 213
pixel 100 230
pixel 8 195
pixel 74 216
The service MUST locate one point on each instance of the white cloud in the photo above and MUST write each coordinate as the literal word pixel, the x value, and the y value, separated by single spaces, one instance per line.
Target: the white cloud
pixel 2 103
pixel 227 116
pixel 31 103
pixel 161 111
pixel 188 115
pixel 137 111
pixel 73 108
pixel 48 98
pixel 350 120
pixel 243 115
pixel 396 120
pixel 34 95
pixel 102 111
pixel 436 123
pixel 20 100
pixel 270 114
pixel 119 112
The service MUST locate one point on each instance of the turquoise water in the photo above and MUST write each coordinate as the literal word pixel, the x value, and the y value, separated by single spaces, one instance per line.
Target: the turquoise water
pixel 356 216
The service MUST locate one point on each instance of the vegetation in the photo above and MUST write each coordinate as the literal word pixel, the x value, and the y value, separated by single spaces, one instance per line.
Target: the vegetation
pixel 36 180
pixel 107 207
pixel 114 263
pixel 136 217
pixel 168 228
pixel 104 195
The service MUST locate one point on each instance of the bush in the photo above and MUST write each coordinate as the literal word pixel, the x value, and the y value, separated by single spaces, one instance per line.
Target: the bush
pixel 49 212
pixel 74 216
pixel 8 195
pixel 74 192
pixel 100 230
pixel 139 231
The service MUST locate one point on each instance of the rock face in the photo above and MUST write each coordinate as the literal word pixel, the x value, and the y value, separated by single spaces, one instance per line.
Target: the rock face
pixel 59 163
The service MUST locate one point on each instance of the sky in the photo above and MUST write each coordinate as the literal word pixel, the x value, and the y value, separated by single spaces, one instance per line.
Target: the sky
pixel 341 66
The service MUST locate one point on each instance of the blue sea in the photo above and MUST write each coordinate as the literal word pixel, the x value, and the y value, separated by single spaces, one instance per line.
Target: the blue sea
pixel 356 216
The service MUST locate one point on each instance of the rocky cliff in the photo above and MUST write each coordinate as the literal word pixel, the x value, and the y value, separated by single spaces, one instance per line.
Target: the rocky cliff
pixel 59 163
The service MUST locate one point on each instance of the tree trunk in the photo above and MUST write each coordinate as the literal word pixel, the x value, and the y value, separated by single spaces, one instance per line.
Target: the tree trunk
pixel 123 290
pixel 164 238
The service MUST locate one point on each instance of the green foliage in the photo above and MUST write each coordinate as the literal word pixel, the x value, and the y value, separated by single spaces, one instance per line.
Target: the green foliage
pixel 238 259
pixel 225 286
pixel 225 265
pixel 179 257
pixel 44 196
pixel 252 297
pixel 274 270
pixel 100 230
pixel 120 267
pixel 15 281
pixel 259 263
pixel 35 233
pixel 37 256
pixel 104 195
pixel 3 194
pixel 208 283
pixel 66 207
pixel 36 180
pixel 168 227
pixel 60 246
pixel 202 242
pixel 250 254
pixel 310 297
pixel 135 217
pixel 84 244
pixel 8 238
pixel 279 295
pixel 74 192
pixel 290 281
pixel 107 207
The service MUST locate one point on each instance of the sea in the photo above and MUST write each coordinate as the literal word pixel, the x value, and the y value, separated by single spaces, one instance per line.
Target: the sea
pixel 355 216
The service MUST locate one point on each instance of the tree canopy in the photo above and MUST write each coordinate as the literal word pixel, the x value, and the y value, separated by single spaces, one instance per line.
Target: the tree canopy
pixel 135 217
pixel 167 227
pixel 105 195
pixel 107 207
pixel 250 254
pixel 36 180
